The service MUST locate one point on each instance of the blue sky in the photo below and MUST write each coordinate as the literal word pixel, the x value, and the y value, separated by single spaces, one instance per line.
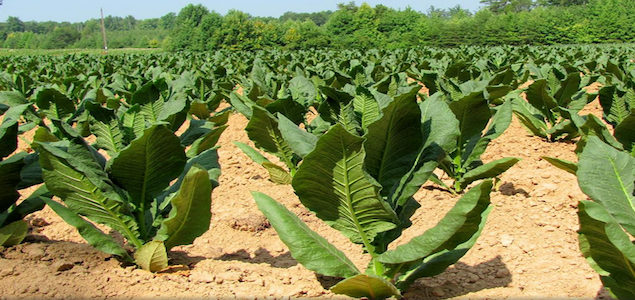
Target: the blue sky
pixel 82 10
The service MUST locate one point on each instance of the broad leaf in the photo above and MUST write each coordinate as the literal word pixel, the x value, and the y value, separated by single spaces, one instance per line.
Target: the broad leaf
pixel 206 142
pixel 148 164
pixel 307 247
pixel 565 165
pixel 256 156
pixel 459 225
pixel 86 193
pixel 473 114
pixel 530 117
pixel 393 142
pixel 9 180
pixel 488 170
pixel 366 286
pixel 55 104
pixel 152 257
pixel 88 231
pixel 191 210
pixel 277 174
pixel 263 131
pixel 608 249
pixel 300 141
pixel 607 176
pixel 106 127
pixel 332 183
pixel 13 234
pixel 625 132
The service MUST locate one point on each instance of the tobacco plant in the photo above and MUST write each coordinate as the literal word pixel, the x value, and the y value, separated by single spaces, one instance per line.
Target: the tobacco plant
pixel 132 192
pixel 550 102
pixel 363 187
pixel 474 125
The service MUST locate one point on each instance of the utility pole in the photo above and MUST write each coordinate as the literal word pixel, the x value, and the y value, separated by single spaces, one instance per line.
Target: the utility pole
pixel 103 31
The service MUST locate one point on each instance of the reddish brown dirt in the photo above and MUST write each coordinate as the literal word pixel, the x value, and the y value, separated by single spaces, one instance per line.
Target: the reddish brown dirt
pixel 528 248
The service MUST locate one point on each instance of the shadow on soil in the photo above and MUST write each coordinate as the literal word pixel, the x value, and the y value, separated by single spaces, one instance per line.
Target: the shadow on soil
pixel 461 279
pixel 508 189
pixel 182 258
pixel 261 255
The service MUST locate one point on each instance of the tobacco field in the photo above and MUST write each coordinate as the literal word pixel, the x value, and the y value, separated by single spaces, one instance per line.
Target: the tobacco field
pixel 471 172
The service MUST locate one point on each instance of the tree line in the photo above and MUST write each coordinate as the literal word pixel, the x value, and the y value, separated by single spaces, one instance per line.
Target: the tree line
pixel 350 26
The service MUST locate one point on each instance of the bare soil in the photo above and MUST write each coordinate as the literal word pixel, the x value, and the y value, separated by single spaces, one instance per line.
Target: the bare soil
pixel 528 248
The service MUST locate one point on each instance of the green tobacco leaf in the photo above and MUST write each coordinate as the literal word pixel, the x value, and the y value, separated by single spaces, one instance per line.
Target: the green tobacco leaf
pixel 9 129
pixel 538 96
pixel 300 141
pixel 499 123
pixel 562 164
pixel 88 231
pixel 221 118
pixel 625 132
pixel 9 180
pixel 616 104
pixel 437 263
pixel 200 110
pixel 277 174
pixel 55 104
pixel 531 118
pixel 242 104
pixel 366 286
pixel 256 156
pixel 393 142
pixel 303 90
pixel 134 123
pixel 608 249
pixel 366 108
pixel 473 114
pixel 206 142
pixel 307 247
pixel 33 203
pixel 86 193
pixel 207 160
pixel 263 131
pixel 13 234
pixel 593 126
pixel 294 111
pixel 488 170
pixel 607 176
pixel 152 257
pixel 191 210
pixel 195 131
pixel 459 225
pixel 148 164
pixel 568 88
pixel 440 131
pixel 564 130
pixel 106 127
pixel 332 183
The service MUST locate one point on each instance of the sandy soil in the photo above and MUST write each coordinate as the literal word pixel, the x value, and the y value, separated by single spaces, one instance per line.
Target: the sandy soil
pixel 527 250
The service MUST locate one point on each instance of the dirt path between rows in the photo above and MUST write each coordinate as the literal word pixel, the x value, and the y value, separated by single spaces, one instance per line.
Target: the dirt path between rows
pixel 528 248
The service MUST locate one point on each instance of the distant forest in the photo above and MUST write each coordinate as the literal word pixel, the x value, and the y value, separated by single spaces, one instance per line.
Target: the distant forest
pixel 197 28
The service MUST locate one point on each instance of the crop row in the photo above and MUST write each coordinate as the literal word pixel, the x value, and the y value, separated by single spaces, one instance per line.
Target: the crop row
pixel 357 135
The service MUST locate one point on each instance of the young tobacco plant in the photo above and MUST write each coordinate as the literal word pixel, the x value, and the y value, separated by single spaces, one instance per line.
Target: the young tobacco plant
pixel 549 105
pixel 132 192
pixel 474 125
pixel 363 187
pixel 607 223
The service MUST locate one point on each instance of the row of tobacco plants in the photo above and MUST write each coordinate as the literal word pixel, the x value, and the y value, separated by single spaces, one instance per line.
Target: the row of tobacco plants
pixel 356 134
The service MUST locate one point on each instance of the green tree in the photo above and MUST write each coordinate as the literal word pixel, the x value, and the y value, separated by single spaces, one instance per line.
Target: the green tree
pixel 186 22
